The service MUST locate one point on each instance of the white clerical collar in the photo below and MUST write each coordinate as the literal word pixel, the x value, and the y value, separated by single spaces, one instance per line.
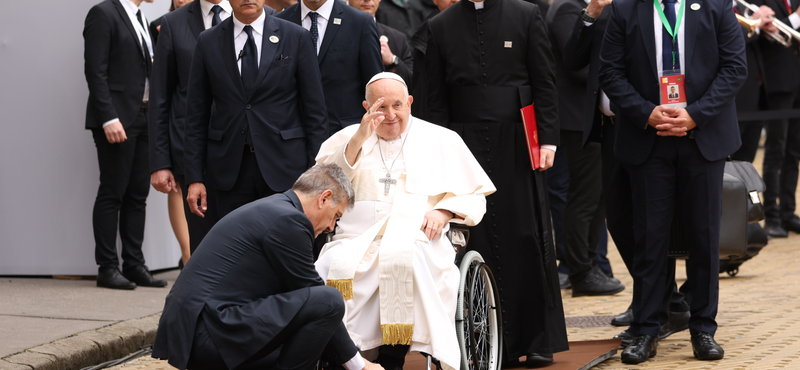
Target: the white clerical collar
pixel 258 25
pixel 206 6
pixel 478 5
pixel 324 11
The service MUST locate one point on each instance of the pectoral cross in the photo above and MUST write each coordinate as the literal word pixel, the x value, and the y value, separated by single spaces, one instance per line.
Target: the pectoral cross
pixel 386 182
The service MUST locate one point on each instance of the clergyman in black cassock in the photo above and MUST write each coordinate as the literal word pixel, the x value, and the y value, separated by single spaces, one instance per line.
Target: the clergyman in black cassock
pixel 483 65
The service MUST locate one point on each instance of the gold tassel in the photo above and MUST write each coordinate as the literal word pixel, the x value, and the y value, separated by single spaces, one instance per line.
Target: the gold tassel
pixel 345 286
pixel 394 334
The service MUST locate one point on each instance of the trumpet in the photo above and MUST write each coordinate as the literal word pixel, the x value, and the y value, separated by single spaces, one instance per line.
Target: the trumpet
pixel 785 33
pixel 750 24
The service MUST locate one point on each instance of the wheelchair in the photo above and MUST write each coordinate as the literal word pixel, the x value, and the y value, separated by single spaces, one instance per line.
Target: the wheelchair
pixel 478 313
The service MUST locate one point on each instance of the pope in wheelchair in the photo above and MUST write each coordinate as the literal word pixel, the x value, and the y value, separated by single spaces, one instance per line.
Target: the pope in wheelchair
pixel 390 257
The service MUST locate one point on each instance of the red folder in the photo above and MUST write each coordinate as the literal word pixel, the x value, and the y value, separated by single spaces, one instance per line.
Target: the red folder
pixel 531 134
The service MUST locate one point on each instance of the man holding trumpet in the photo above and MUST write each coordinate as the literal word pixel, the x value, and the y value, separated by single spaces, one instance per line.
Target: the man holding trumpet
pixel 782 85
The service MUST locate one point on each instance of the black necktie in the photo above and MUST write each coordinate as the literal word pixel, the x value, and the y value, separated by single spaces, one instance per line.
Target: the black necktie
pixel 314 30
pixel 216 9
pixel 667 40
pixel 249 69
pixel 148 60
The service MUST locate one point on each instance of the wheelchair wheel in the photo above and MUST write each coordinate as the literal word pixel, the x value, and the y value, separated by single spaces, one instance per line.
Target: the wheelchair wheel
pixel 478 318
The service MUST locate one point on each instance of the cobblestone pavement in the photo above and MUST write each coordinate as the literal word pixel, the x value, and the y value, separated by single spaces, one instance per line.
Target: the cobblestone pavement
pixel 759 316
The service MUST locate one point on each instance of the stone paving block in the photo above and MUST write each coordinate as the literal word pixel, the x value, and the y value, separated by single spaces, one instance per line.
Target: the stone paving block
pixel 131 336
pixel 5 365
pixel 72 352
pixel 37 361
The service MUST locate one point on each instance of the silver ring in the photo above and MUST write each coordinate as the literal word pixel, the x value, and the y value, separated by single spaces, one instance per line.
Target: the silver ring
pixel 369 111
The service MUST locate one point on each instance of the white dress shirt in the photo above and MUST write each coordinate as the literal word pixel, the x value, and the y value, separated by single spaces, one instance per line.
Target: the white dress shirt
pixel 208 15
pixel 659 29
pixel 240 38
pixel 322 20
pixel 144 33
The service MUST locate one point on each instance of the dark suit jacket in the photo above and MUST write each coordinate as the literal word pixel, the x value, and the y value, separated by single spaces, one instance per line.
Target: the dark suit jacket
pixel 781 64
pixel 747 100
pixel 154 29
pixel 715 70
pixel 169 83
pixel 239 279
pixel 571 85
pixel 285 112
pixel 348 57
pixel 404 16
pixel 581 50
pixel 114 65
pixel 398 43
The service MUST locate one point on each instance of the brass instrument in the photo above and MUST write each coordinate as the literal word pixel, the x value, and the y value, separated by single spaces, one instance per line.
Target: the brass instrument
pixel 750 24
pixel 785 33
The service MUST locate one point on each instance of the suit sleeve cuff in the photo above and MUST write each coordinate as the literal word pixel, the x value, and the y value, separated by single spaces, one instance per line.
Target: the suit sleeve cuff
pixel 355 363
pixel 551 147
pixel 794 19
pixel 110 122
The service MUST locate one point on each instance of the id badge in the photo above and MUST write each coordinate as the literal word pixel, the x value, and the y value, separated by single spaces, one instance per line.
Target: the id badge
pixel 673 92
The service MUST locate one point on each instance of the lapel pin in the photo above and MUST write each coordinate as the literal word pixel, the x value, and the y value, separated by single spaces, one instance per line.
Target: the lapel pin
pixel 337 21
pixel 507 44
pixel 273 39
pixel 384 38
pixel 695 6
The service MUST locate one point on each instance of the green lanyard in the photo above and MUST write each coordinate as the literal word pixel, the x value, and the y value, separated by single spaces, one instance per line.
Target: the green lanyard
pixel 665 22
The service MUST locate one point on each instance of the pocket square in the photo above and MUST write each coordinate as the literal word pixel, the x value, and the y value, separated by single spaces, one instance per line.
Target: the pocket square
pixel 283 57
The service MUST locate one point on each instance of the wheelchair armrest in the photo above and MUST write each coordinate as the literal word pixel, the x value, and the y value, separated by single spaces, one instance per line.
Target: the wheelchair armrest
pixel 459 238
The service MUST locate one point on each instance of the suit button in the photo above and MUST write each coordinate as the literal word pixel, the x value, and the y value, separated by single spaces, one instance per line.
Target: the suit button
pixel 484 53
pixel 244 131
pixel 481 42
pixel 484 75
pixel 480 22
pixel 248 106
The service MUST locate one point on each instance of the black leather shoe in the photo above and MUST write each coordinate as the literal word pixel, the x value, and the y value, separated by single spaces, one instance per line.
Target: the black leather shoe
pixel 642 348
pixel 678 321
pixel 626 338
pixel 596 283
pixel 792 225
pixel 623 319
pixel 141 276
pixel 112 278
pixel 775 230
pixel 538 359
pixel 705 347
pixel 563 280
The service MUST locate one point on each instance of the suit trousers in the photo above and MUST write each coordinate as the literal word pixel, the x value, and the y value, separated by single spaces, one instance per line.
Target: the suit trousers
pixel 121 196
pixel 675 171
pixel 781 159
pixel 583 214
pixel 250 185
pixel 298 345
pixel 619 215
pixel 198 226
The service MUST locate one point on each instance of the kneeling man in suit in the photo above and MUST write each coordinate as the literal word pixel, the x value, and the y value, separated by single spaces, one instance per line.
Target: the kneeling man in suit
pixel 250 297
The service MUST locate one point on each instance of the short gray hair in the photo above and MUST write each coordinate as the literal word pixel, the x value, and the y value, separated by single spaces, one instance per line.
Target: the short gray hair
pixel 326 176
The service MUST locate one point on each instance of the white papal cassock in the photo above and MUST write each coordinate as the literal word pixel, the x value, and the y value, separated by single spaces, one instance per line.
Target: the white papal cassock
pixel 434 169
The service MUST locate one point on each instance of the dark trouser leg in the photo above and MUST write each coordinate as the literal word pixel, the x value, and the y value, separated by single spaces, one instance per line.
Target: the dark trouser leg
pixel 791 160
pixel 751 134
pixel 583 200
pixel 199 226
pixel 557 185
pixel 617 198
pixel 249 186
pixel 121 196
pixel 775 151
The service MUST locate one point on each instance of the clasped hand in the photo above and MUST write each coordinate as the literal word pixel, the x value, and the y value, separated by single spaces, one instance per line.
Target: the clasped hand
pixel 671 121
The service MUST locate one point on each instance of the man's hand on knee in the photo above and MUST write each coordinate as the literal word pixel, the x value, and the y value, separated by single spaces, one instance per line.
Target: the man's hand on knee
pixel 434 222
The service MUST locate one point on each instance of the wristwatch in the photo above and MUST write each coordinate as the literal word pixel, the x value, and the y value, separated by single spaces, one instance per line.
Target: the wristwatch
pixel 395 62
pixel 586 18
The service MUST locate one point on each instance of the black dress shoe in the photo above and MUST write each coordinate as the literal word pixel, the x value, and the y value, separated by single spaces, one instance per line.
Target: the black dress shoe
pixel 705 347
pixel 623 319
pixel 596 283
pixel 626 338
pixel 775 230
pixel 678 321
pixel 538 359
pixel 141 276
pixel 642 348
pixel 563 281
pixel 793 224
pixel 112 278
